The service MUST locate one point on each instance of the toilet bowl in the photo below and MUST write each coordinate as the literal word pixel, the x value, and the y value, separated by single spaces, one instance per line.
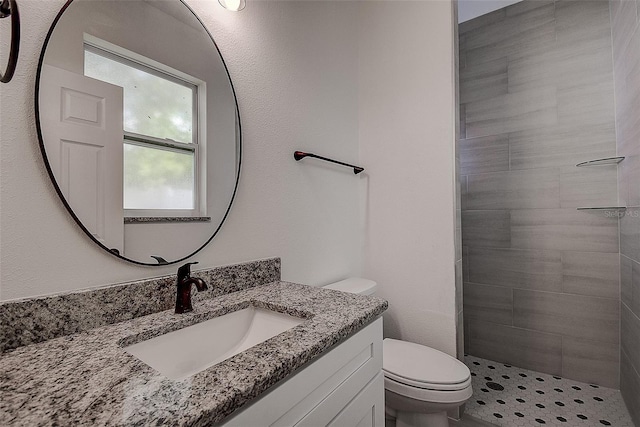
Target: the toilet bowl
pixel 421 383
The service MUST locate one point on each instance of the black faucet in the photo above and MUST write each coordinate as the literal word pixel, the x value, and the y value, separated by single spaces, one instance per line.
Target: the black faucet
pixel 183 298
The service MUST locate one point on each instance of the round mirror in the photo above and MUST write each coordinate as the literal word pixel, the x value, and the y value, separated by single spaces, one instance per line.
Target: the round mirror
pixel 139 126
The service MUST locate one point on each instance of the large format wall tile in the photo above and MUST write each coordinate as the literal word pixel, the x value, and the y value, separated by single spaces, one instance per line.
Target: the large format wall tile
pixel 533 71
pixel 586 104
pixel 488 303
pixel 486 229
pixel 590 361
pixel 575 316
pixel 520 347
pixel 482 81
pixel 515 268
pixel 627 99
pixel 530 42
pixel 629 234
pixel 564 229
pixel 626 280
pixel 481 155
pixel 588 186
pixel 628 125
pixel 630 331
pixel 585 61
pixel 629 177
pixel 465 263
pixel 635 288
pixel 463 122
pixel 512 112
pixel 591 273
pixel 588 21
pixel 530 33
pixel 523 189
pixel 625 62
pixel 567 63
pixel 561 145
pixel 630 387
pixel 623 21
pixel 511 28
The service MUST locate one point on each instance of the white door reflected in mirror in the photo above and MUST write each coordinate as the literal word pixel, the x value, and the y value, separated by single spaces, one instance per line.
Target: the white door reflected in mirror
pixel 82 134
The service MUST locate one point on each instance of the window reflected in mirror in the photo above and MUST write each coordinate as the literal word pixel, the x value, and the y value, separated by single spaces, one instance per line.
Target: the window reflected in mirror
pixel 159 118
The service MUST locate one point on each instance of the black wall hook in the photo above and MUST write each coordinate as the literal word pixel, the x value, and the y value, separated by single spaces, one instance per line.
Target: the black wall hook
pixel 9 8
pixel 299 155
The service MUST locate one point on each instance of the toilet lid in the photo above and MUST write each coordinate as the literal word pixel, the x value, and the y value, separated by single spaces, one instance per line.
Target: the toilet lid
pixel 416 364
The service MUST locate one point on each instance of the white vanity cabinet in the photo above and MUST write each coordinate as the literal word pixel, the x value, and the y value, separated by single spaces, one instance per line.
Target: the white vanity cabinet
pixel 343 388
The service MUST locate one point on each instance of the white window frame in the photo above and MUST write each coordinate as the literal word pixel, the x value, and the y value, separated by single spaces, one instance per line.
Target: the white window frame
pixel 197 145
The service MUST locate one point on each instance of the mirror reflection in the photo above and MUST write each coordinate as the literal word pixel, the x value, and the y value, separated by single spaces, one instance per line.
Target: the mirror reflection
pixel 139 126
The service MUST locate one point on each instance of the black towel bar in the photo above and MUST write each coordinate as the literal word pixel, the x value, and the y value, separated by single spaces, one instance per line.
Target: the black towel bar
pixel 299 155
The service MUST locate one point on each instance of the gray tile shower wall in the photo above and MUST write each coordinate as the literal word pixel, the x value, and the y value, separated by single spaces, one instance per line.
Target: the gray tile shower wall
pixel 626 61
pixel 542 279
pixel 29 321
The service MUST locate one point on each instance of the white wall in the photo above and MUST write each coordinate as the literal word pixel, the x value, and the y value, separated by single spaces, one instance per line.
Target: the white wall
pixel 406 119
pixel 294 66
pixel 365 82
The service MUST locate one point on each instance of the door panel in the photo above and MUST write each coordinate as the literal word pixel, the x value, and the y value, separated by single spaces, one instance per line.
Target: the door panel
pixel 83 137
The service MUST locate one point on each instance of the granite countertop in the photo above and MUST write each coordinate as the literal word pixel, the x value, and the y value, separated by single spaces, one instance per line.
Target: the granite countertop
pixel 88 379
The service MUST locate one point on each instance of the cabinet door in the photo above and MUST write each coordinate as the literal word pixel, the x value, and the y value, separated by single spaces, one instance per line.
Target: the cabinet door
pixel 366 409
pixel 317 394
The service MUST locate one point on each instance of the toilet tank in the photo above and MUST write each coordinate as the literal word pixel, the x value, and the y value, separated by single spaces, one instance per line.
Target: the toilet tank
pixel 354 285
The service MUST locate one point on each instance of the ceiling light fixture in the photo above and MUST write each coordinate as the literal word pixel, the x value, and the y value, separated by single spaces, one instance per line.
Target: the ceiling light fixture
pixel 234 5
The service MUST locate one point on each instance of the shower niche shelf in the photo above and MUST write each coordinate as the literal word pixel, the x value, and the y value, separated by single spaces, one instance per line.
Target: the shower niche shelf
pixel 605 161
pixel 597 162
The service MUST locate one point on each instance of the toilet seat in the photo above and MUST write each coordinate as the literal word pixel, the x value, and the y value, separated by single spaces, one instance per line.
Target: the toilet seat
pixel 455 397
pixel 423 373
pixel 427 385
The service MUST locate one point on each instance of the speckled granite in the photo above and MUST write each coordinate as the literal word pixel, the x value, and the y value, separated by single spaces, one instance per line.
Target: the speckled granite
pixel 88 379
pixel 29 321
pixel 164 219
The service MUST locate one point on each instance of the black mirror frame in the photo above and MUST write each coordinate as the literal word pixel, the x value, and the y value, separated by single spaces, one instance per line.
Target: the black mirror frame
pixel 53 179
pixel 9 8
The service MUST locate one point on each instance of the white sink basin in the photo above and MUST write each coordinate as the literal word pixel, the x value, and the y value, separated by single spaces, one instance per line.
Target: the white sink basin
pixel 182 353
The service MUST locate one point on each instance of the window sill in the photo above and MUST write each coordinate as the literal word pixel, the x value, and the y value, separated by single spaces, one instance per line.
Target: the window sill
pixel 164 219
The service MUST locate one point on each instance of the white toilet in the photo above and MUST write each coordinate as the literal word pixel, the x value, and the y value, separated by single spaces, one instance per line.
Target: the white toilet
pixel 421 383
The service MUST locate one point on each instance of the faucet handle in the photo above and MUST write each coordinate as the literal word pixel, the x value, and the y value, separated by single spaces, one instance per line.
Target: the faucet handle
pixel 184 271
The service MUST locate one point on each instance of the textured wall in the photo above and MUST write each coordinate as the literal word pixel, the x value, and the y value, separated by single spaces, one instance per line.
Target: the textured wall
pixel 406 119
pixel 294 67
pixel 323 76
pixel 541 278
pixel 626 58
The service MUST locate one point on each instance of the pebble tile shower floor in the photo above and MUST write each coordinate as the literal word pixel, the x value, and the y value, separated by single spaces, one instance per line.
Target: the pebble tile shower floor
pixel 508 396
